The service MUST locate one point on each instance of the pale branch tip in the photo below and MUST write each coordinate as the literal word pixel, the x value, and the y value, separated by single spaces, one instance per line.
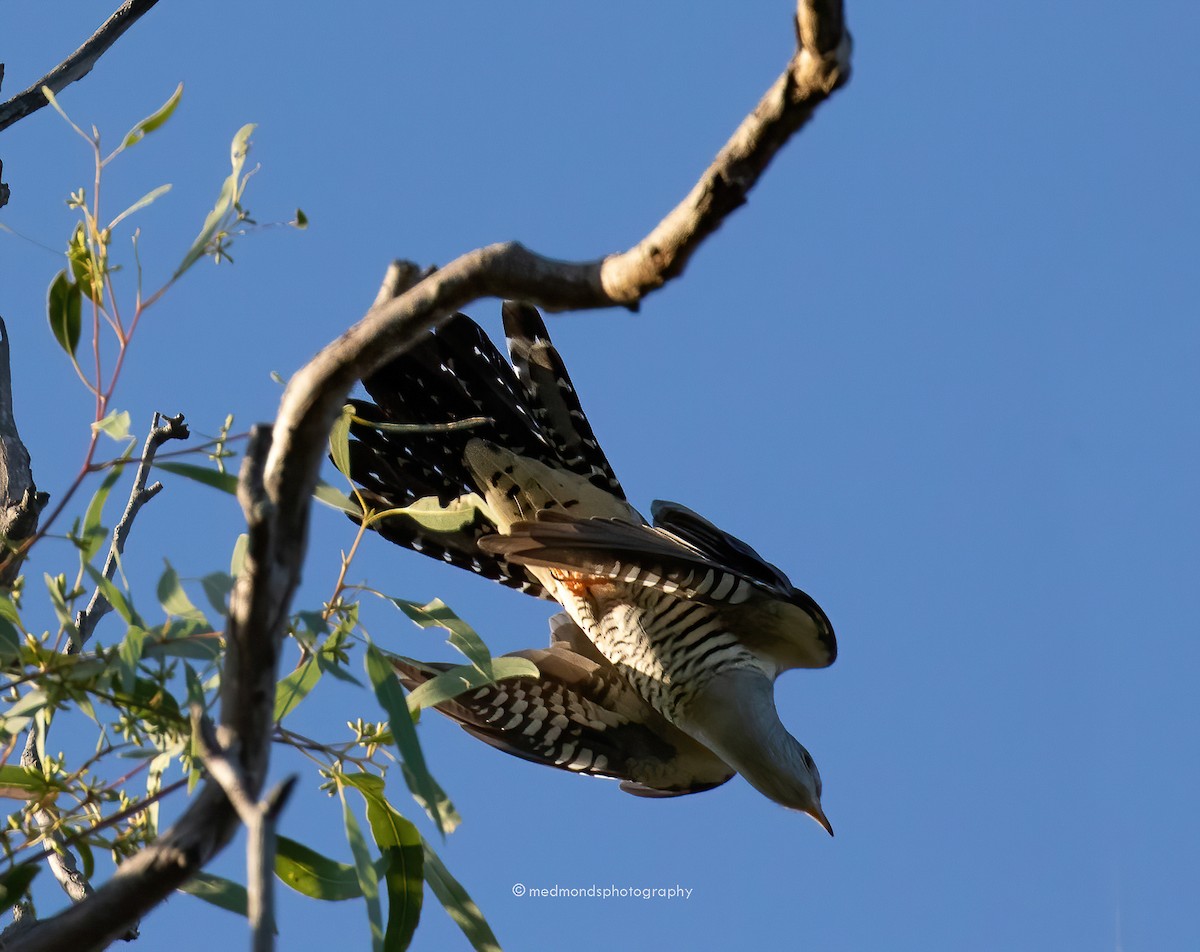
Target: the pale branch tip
pixel 280 471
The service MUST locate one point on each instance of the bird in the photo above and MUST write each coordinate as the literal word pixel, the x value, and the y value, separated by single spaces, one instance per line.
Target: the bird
pixel 661 667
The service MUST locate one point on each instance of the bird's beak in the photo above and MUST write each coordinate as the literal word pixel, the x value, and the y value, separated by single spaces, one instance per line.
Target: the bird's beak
pixel 819 815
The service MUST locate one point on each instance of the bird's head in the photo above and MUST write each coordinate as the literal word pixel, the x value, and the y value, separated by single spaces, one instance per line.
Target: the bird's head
pixel 735 717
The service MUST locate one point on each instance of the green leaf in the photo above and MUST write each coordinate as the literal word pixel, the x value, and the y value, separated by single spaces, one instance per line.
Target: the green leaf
pixel 218 891
pixel 339 441
pixel 115 424
pixel 435 516
pixel 11 629
pixel 153 121
pixel 15 883
pixel 294 688
pixel 314 875
pixel 231 190
pixel 10 641
pixel 130 654
pixel 458 904
pixel 238 557
pixel 192 638
pixel 391 698
pixel 217 586
pixel 20 783
pixel 8 611
pixel 450 684
pixel 400 844
pixel 93 534
pixel 226 482
pixel 140 204
pixel 441 807
pixel 56 585
pixel 368 878
pixel 335 499
pixel 18 716
pixel 173 598
pixel 65 308
pixel 116 598
pixel 437 614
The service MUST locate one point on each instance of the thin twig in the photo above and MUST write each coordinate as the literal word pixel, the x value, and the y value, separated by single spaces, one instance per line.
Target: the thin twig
pixel 259 820
pixel 172 429
pixel 75 66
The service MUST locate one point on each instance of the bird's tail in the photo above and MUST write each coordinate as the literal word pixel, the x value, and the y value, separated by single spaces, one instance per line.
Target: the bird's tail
pixel 453 389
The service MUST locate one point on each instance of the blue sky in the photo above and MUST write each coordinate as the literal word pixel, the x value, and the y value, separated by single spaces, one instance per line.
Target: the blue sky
pixel 942 369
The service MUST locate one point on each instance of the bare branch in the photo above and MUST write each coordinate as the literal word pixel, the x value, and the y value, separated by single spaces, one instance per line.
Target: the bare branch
pixel 20 501
pixel 139 494
pixel 280 470
pixel 75 66
pixel 258 818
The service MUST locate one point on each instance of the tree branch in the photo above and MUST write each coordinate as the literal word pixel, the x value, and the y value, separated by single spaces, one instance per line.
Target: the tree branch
pixel 280 469
pixel 75 66
pixel 20 501
pixel 61 860
pixel 139 494
pixel 258 818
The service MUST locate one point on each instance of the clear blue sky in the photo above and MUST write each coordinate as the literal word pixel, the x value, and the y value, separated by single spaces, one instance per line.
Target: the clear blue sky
pixel 942 369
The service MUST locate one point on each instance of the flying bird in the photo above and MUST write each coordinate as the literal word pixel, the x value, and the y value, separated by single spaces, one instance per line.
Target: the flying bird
pixel 661 668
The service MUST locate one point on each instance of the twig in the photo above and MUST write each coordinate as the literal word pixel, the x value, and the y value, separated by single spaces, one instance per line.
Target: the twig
pixel 139 494
pixel 75 66
pixel 280 469
pixel 258 818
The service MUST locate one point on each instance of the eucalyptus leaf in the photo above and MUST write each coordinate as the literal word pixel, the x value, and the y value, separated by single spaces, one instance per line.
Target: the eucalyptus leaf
pixel 437 614
pixel 450 684
pixel 339 440
pixel 64 307
pixel 140 204
pixel 173 598
pixel 391 698
pixel 15 882
pixel 368 877
pixel 313 875
pixel 336 499
pixel 93 534
pixel 401 847
pixel 153 121
pixel 226 201
pixel 294 688
pixel 458 904
pixel 226 482
pixel 115 424
pixel 219 891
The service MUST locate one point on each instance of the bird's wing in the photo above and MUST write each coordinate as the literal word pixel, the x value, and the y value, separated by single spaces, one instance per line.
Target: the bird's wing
pixel 717 544
pixel 778 622
pixel 581 716
pixel 621 551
